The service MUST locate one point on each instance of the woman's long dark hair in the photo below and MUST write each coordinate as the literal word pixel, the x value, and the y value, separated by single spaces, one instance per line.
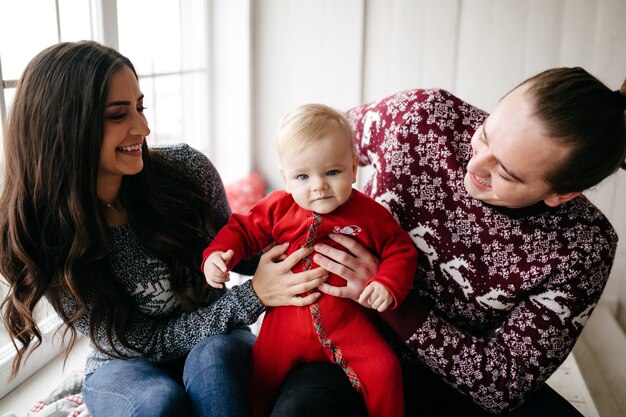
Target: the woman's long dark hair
pixel 53 236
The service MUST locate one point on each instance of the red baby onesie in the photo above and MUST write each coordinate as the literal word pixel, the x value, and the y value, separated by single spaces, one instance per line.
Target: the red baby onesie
pixel 333 329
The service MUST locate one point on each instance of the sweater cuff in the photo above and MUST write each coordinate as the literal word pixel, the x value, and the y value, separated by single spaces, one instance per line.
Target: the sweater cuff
pixel 408 317
pixel 251 302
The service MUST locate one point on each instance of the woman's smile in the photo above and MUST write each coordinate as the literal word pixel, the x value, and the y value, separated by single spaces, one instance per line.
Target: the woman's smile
pixel 131 148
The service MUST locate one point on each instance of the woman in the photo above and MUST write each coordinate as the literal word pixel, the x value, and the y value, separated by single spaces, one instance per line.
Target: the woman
pixel 111 233
pixel 512 259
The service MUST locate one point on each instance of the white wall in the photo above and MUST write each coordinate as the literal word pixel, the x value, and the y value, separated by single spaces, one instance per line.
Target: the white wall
pixel 306 51
pixel 346 52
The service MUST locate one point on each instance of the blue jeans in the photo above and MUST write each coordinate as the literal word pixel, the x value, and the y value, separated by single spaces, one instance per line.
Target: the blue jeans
pixel 212 380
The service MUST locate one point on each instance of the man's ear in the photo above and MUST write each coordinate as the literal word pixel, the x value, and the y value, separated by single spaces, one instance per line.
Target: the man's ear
pixel 282 175
pixel 557 199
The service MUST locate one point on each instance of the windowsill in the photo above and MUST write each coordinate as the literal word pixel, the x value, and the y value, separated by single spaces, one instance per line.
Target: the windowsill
pixel 569 382
pixel 42 382
pixel 51 345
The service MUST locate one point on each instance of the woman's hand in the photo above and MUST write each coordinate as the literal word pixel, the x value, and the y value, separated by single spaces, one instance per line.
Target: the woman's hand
pixel 276 285
pixel 356 266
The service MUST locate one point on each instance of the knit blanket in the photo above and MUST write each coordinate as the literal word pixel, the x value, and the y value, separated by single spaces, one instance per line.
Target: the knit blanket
pixel 64 401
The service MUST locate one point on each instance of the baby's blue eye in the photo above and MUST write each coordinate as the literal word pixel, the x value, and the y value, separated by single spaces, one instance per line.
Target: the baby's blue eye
pixel 302 177
pixel 332 172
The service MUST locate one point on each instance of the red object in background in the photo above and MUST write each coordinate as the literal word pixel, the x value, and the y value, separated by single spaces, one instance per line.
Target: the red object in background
pixel 244 193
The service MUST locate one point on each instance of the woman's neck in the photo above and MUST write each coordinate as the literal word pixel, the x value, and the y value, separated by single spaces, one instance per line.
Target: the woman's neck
pixel 115 214
pixel 108 193
pixel 108 188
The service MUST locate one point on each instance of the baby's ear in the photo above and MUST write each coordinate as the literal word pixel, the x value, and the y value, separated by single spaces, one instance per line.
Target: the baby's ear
pixel 282 175
pixel 355 167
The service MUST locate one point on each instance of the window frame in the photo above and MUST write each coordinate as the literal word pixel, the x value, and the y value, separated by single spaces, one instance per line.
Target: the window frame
pixel 4 85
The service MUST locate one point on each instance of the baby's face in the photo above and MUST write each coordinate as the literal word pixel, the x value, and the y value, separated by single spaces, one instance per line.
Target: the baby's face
pixel 320 176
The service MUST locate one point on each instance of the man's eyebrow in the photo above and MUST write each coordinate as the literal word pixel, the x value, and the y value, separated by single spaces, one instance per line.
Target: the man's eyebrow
pixel 123 103
pixel 504 168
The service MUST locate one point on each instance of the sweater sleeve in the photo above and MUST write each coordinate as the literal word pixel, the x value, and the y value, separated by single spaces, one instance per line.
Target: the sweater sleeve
pixel 500 370
pixel 160 338
pixel 396 251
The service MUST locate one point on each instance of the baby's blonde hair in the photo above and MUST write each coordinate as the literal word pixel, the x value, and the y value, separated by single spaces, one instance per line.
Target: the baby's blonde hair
pixel 310 122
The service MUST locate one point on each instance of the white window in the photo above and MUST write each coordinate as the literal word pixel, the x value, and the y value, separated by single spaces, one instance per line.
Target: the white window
pixel 167 41
pixel 168 45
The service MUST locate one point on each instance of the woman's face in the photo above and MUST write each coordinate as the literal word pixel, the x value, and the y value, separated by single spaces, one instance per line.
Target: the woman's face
pixel 512 157
pixel 125 128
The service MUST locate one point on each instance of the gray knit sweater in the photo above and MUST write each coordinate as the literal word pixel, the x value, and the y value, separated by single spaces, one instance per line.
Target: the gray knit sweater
pixel 160 327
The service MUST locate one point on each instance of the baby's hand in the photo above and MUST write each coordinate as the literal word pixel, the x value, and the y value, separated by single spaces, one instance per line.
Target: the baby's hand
pixel 376 296
pixel 216 268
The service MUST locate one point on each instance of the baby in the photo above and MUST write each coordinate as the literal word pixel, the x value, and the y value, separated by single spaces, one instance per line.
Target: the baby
pixel 318 167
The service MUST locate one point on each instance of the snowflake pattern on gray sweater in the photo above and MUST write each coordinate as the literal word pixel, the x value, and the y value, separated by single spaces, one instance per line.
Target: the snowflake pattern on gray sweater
pixel 160 328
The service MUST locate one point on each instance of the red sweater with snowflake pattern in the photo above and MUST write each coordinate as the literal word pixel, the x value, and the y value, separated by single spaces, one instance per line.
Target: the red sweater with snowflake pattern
pixel 500 295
